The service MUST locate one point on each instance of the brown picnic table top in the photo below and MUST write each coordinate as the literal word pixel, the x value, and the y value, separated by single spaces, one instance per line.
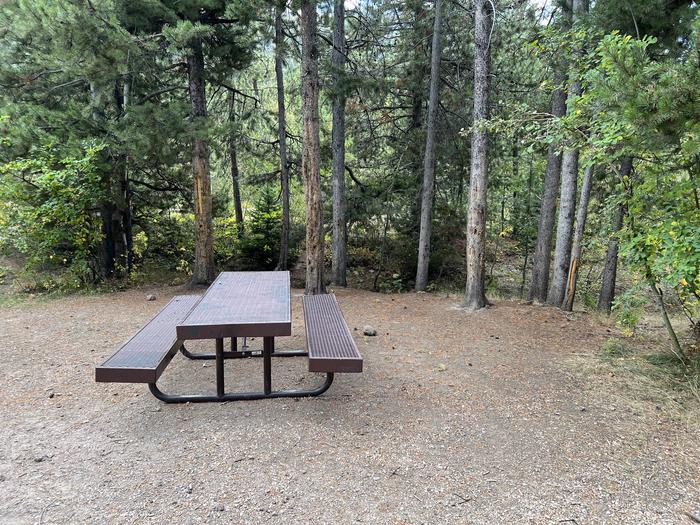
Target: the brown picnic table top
pixel 241 304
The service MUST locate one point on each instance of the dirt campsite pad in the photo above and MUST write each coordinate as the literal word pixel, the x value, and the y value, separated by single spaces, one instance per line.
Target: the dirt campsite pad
pixel 482 418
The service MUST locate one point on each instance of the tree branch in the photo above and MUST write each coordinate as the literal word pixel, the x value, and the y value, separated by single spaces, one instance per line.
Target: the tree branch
pixel 159 92
pixel 237 92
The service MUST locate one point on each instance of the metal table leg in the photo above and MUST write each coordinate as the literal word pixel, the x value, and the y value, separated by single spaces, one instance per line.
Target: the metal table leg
pixel 268 348
pixel 220 368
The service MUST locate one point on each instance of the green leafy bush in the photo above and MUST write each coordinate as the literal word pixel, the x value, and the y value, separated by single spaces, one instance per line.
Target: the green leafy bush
pixel 48 204
pixel 169 238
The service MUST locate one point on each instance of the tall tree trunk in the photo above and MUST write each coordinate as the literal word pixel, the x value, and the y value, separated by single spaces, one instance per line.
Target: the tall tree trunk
pixel 311 151
pixel 109 245
pixel 526 228
pixel 550 191
pixel 567 201
pixel 607 289
pixel 108 249
pixel 127 216
pixel 118 205
pixel 282 138
pixel 609 277
pixel 475 296
pixel 339 265
pixel 567 209
pixel 426 210
pixel 577 245
pixel 118 187
pixel 233 159
pixel 517 207
pixel 416 72
pixel 203 270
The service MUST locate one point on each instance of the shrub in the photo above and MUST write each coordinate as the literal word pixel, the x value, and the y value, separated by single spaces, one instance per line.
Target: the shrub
pixel 47 212
pixel 169 238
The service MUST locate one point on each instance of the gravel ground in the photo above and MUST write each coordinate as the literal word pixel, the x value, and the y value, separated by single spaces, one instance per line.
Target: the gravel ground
pixel 457 418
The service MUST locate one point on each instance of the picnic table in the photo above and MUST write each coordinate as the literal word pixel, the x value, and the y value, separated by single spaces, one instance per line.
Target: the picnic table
pixel 237 304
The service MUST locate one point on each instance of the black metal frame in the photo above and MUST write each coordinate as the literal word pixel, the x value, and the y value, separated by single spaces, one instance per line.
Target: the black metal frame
pixel 220 356
pixel 235 354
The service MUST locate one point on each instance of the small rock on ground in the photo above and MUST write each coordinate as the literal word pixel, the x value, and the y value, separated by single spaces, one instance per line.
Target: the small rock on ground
pixel 369 330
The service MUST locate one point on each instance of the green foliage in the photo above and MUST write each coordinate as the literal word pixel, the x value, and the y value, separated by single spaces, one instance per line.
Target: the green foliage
pixel 393 284
pixel 649 109
pixel 668 21
pixel 168 238
pixel 639 101
pixel 47 210
pixel 114 73
pixel 669 251
pixel 227 242
pixel 628 308
pixel 260 245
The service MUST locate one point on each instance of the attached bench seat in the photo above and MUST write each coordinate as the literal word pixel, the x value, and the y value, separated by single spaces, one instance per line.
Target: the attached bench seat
pixel 329 341
pixel 143 358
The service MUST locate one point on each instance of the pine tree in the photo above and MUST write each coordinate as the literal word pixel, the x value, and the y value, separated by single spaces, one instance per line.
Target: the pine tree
pixel 475 294
pixel 311 156
pixel 426 214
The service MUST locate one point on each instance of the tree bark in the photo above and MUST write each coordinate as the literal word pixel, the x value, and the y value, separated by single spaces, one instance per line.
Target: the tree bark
pixel 609 277
pixel 235 174
pixel 107 245
pixel 567 209
pixel 108 250
pixel 577 245
pixel 282 138
pixel 550 191
pixel 127 217
pixel 516 207
pixel 426 210
pixel 526 227
pixel 112 247
pixel 311 151
pixel 607 289
pixel 339 263
pixel 415 73
pixel 203 269
pixel 118 186
pixel 475 296
pixel 567 201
